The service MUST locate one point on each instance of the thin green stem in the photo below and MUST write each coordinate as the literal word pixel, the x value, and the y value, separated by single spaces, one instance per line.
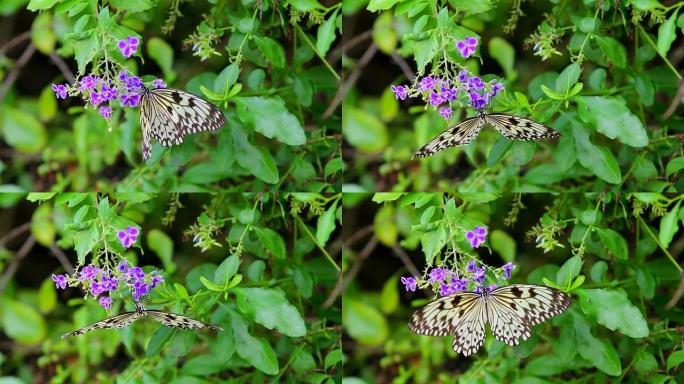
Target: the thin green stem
pixel 313 238
pixel 662 247
pixel 667 62
pixel 313 46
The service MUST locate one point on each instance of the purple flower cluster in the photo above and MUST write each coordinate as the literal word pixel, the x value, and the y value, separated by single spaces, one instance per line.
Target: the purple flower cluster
pixel 441 92
pixel 140 283
pixel 60 281
pixel 128 46
pixel 507 268
pixel 128 236
pixel 477 236
pixel 467 47
pixel 410 283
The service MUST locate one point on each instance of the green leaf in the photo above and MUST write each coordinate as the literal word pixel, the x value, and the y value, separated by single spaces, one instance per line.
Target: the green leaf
pixel 35 5
pixel 364 323
pixel 666 34
pixel 389 296
pixel 223 346
pixel 43 34
pixel 22 323
pixel 270 117
pixel 645 362
pixel 159 340
pixel 675 165
pixel 302 361
pixel 270 308
pixel 610 116
pixel 305 6
pixel 385 34
pixel 570 269
pixel 598 352
pixel 326 225
pixel 499 150
pixel 162 53
pixel 204 365
pixel 616 244
pixel 503 52
pixel 272 241
pixel 132 6
pixel 382 197
pixel 612 309
pixel 363 130
pixel 379 5
pixel 522 152
pixel 211 285
pixel 272 50
pixel 226 78
pixel 23 131
pixel 675 359
pixel 385 226
pixel 503 244
pixel 432 243
pixel 254 350
pixel 42 225
pixel 326 34
pixel 47 296
pixel 597 159
pixel 161 244
pixel 257 161
pixel 423 52
pixel 669 226
pixel 614 50
pixel 47 104
pixel 332 358
pixel 226 270
pixel 567 79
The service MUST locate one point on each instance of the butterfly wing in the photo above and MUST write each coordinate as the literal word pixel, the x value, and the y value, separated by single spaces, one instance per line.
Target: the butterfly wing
pixel 519 128
pixel 179 321
pixel 461 314
pixel 513 309
pixel 169 114
pixel 460 134
pixel 118 321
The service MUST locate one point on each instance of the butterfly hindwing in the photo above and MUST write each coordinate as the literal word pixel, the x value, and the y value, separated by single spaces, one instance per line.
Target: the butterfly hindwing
pixel 169 114
pixel 460 134
pixel 118 321
pixel 442 316
pixel 179 321
pixel 470 331
pixel 519 128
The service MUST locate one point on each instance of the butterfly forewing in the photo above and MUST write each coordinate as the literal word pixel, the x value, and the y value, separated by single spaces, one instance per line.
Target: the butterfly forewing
pixel 510 310
pixel 460 134
pixel 179 321
pixel 119 321
pixel 519 128
pixel 169 114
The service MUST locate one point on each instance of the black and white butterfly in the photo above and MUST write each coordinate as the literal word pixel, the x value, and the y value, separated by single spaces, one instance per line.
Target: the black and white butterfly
pixel 169 114
pixel 125 319
pixel 510 311
pixel 513 127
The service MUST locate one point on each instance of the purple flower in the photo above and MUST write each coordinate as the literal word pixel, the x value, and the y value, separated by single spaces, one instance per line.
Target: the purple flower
pixel 478 289
pixel 479 275
pixel 88 82
pixel 459 284
pixel 475 83
pixel 156 279
pixel 508 267
pixel 471 267
pixel 123 266
pixel 399 92
pixel 159 83
pixel 109 93
pixel 60 281
pixel 463 76
pixel 427 83
pixel 106 302
pixel 133 83
pixel 449 94
pixel 96 288
pixel 95 98
pixel 491 287
pixel 477 236
pixel 123 75
pixel 88 273
pixel 437 274
pixel 467 47
pixel 128 46
pixel 445 290
pixel 445 112
pixel 109 283
pixel 496 88
pixel 60 90
pixel 435 99
pixel 136 273
pixel 477 101
pixel 128 237
pixel 105 112
pixel 140 289
pixel 130 100
pixel 409 283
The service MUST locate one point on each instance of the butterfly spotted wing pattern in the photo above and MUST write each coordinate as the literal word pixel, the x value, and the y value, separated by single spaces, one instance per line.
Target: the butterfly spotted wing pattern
pixel 511 311
pixel 169 114
pixel 179 321
pixel 460 134
pixel 125 319
pixel 512 127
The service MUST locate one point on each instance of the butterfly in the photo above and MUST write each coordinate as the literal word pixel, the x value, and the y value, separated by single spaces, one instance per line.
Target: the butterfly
pixel 169 114
pixel 125 319
pixel 513 127
pixel 510 311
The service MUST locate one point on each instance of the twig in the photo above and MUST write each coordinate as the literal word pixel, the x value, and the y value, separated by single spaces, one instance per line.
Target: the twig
pixel 335 293
pixel 14 233
pixel 676 100
pixel 62 67
pixel 62 259
pixel 351 80
pixel 14 264
pixel 678 293
pixel 356 267
pixel 16 40
pixel 660 245
pixel 405 67
pixel 320 247
pixel 14 73
pixel 401 254
pixel 356 40
pixel 358 235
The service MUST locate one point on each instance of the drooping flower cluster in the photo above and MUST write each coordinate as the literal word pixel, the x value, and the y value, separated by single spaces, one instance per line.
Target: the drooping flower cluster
pixel 102 279
pixel 104 86
pixel 472 278
pixel 477 236
pixel 442 91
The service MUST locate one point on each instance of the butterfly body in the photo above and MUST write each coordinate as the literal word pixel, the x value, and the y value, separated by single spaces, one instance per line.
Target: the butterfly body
pixel 510 311
pixel 168 115
pixel 125 319
pixel 512 127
